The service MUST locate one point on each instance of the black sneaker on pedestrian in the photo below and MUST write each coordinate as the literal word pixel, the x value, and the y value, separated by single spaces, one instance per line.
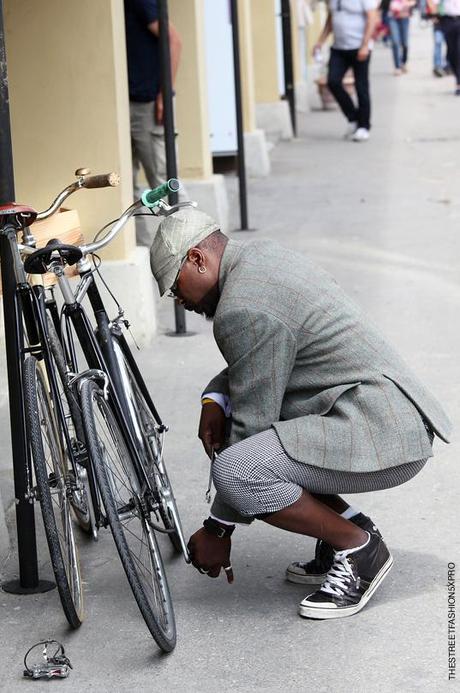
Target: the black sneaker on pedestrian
pixel 314 572
pixel 351 582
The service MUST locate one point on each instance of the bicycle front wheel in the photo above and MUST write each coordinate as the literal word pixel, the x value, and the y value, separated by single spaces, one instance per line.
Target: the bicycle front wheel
pixel 149 440
pixel 127 506
pixel 51 475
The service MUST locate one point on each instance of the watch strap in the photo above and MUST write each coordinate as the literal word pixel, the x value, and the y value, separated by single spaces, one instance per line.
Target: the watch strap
pixel 217 529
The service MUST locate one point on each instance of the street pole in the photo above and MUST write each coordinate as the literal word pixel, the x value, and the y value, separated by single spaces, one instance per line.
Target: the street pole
pixel 288 60
pixel 170 132
pixel 239 117
pixel 28 582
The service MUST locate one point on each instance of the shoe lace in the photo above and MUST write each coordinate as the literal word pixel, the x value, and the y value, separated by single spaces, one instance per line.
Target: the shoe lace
pixel 339 576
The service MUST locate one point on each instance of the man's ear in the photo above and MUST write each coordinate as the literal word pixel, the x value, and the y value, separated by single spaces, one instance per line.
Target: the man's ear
pixel 196 256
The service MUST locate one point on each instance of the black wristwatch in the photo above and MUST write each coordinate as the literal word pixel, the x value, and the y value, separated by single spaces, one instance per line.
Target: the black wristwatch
pixel 217 529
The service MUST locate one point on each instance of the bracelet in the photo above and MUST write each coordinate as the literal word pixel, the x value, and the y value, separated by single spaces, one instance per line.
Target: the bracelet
pixel 208 400
pixel 213 527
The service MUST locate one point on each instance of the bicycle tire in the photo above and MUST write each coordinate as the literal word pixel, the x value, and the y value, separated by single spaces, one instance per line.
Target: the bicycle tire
pixel 125 505
pixel 43 435
pixel 156 469
pixel 81 505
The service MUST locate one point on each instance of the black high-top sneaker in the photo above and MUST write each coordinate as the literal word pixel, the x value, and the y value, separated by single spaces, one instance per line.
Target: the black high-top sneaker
pixel 313 572
pixel 350 583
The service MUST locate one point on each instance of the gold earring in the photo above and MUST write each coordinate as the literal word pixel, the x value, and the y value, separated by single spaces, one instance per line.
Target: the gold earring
pixel 202 269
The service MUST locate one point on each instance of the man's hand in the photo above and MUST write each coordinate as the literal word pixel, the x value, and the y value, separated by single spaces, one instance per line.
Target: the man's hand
pixel 363 53
pixel 210 554
pixel 159 109
pixel 211 430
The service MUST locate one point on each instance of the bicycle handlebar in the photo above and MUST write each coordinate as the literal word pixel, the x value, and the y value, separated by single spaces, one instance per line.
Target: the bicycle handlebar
pixel 150 197
pixel 105 180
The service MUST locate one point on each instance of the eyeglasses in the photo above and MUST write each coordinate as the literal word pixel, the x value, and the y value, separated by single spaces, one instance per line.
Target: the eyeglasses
pixel 172 293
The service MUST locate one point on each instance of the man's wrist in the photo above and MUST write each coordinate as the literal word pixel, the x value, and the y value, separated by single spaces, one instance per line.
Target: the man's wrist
pixel 218 529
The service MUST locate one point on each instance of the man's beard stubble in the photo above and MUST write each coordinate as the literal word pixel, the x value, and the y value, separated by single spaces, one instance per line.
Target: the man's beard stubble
pixel 208 304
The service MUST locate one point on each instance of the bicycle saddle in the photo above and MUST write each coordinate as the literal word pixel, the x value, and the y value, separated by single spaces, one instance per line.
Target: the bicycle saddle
pixel 27 214
pixel 38 262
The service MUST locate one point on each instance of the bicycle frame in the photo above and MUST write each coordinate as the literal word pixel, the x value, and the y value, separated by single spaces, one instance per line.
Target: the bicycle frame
pixel 99 353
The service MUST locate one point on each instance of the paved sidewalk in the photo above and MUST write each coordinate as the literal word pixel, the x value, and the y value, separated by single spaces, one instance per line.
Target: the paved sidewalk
pixel 384 218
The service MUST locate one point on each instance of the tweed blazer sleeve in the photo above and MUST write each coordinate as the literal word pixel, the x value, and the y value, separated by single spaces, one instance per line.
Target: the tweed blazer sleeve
pixel 260 351
pixel 218 384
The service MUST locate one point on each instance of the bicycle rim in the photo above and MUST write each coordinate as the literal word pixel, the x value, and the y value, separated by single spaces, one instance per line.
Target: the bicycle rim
pixel 126 506
pixel 45 440
pixel 149 438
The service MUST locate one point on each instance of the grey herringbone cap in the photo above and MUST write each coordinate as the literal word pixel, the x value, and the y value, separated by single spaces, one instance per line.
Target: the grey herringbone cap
pixel 175 236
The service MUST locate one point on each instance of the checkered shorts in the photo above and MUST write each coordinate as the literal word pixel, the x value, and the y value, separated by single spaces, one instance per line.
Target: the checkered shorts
pixel 256 476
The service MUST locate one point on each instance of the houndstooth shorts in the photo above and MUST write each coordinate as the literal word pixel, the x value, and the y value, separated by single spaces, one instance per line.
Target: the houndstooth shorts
pixel 256 476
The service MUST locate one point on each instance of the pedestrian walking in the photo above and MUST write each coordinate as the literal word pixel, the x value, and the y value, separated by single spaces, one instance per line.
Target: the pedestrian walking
pixel 145 95
pixel 313 403
pixel 429 10
pixel 398 21
pixel 352 23
pixel 449 23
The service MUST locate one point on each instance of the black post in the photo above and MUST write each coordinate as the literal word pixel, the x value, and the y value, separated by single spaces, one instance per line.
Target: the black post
pixel 239 117
pixel 170 133
pixel 288 64
pixel 25 521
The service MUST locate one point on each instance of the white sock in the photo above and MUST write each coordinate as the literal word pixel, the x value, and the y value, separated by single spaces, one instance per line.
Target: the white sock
pixel 349 512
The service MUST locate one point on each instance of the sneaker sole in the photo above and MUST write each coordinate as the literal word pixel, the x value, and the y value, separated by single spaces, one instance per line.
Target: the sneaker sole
pixel 305 579
pixel 319 612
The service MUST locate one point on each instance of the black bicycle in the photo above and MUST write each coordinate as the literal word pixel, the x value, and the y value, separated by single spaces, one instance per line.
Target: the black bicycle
pixel 95 435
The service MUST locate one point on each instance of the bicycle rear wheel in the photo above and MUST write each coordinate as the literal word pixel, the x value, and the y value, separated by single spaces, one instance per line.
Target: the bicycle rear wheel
pixel 127 505
pixel 51 475
pixel 149 439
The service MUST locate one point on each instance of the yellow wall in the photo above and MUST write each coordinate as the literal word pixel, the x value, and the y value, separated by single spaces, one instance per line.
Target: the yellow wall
pixel 69 104
pixel 191 100
pixel 265 56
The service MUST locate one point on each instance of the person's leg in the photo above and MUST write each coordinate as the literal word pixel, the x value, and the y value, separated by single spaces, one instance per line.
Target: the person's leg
pixel 158 174
pixel 394 35
pixel 447 27
pixel 257 478
pixel 334 502
pixel 456 51
pixel 338 65
pixel 438 39
pixel 311 517
pixel 144 139
pixel 361 73
pixel 404 35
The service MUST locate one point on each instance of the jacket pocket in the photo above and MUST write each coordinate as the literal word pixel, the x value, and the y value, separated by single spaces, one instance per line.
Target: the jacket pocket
pixel 322 403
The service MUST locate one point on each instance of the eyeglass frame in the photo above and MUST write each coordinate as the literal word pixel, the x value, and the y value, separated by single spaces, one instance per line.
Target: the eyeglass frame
pixel 172 293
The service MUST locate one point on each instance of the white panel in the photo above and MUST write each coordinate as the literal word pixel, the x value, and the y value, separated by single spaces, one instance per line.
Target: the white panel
pixel 220 76
pixel 279 47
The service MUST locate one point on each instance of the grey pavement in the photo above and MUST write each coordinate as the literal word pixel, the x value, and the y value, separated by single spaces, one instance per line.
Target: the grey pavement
pixel 384 218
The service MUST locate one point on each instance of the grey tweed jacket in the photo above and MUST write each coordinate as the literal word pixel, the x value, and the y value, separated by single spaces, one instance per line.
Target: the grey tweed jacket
pixel 303 358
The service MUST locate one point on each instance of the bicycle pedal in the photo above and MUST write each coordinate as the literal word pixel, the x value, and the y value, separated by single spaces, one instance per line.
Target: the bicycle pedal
pixel 47 671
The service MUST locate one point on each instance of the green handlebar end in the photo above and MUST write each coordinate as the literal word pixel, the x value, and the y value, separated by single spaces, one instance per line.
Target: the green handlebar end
pixel 151 197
